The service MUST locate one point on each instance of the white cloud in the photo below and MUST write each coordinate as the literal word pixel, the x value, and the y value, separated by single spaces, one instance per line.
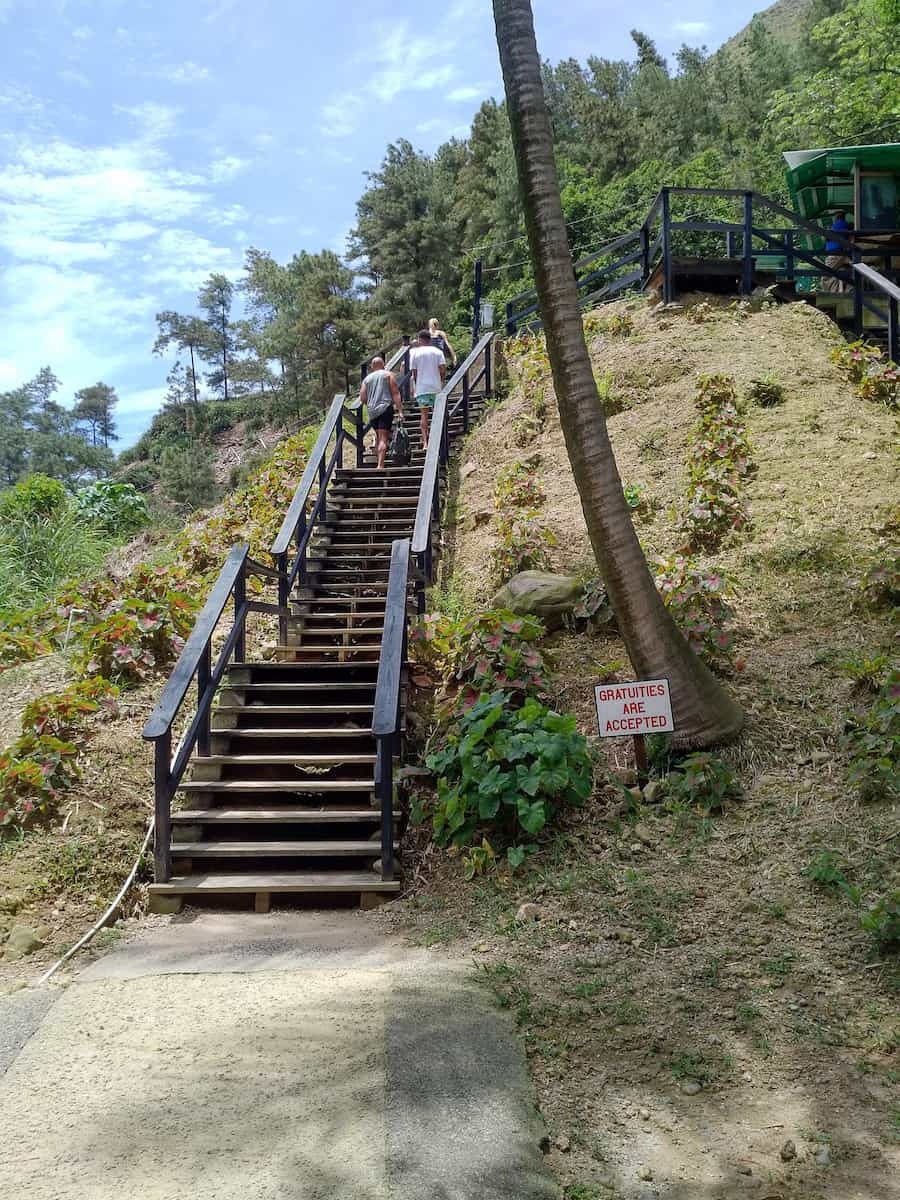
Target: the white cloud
pixel 692 28
pixel 464 93
pixel 76 77
pixel 145 400
pixel 431 126
pixel 185 72
pixel 182 259
pixel 227 167
pixel 82 33
pixel 341 117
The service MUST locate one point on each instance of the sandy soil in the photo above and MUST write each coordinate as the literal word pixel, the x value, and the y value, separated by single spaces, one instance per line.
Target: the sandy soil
pixel 689 1000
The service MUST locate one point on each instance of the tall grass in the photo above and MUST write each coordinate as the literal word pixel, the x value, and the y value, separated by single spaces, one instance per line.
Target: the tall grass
pixel 38 554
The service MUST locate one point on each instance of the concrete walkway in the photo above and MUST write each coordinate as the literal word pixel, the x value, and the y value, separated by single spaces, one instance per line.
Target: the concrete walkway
pixel 276 1057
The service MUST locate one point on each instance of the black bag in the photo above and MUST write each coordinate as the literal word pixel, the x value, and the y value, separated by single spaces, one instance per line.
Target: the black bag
pixel 399 452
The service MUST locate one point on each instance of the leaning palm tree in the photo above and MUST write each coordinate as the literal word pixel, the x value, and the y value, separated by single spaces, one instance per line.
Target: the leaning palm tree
pixel 704 712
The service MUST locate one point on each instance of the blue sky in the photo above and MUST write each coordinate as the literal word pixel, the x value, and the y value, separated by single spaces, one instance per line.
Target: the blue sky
pixel 145 143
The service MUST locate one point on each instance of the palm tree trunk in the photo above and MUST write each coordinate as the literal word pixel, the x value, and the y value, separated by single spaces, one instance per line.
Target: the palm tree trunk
pixel 704 712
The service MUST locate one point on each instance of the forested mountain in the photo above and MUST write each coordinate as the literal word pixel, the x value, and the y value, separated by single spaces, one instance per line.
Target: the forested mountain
pixel 803 73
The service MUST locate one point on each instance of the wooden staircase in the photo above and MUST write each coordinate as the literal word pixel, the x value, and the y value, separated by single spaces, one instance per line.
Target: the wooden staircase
pixel 282 798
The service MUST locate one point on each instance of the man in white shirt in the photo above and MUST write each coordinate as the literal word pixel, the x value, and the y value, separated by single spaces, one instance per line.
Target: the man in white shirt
pixel 426 363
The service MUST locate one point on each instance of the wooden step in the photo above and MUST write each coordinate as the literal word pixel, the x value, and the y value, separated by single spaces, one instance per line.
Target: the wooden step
pixel 289 815
pixel 263 760
pixel 262 732
pixel 278 785
pixel 284 710
pixel 340 631
pixel 293 881
pixel 306 849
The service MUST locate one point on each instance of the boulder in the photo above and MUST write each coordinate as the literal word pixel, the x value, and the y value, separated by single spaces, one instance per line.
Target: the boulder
pixel 21 942
pixel 540 594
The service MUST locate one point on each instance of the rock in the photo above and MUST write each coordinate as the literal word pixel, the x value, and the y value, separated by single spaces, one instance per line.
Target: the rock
pixel 644 1114
pixel 467 470
pixel 645 1174
pixel 644 834
pixel 540 594
pixel 653 791
pixel 481 517
pixel 11 903
pixel 823 1157
pixel 629 777
pixel 545 1144
pixel 528 912
pixel 691 1087
pixel 563 1143
pixel 482 948
pixel 21 942
pixel 743 1169
pixel 633 796
pixel 788 1151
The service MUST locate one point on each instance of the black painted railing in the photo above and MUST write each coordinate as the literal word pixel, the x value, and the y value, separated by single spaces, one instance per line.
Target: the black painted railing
pixel 890 290
pixel 386 716
pixel 195 663
pixel 792 250
pixel 437 457
pixel 307 510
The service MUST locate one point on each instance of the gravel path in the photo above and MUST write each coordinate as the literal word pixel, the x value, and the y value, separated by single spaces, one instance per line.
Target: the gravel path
pixel 272 1058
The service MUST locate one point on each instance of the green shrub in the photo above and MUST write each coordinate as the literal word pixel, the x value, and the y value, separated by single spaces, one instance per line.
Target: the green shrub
pixel 137 639
pixel 882 923
pixel 766 392
pixel 38 554
pixel 702 781
pixel 871 740
pixel 34 774
pixel 64 714
pixel 119 508
pixel 880 585
pixel 593 605
pixel 491 651
pixel 523 545
pixel 519 487
pixel 506 771
pixel 36 496
pixel 696 598
pixel 187 476
pixel 876 377
pixel 141 475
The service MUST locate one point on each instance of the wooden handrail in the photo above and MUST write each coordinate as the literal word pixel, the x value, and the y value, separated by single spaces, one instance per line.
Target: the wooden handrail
pixel 422 527
pixel 390 662
pixel 881 281
pixel 175 690
pixel 309 477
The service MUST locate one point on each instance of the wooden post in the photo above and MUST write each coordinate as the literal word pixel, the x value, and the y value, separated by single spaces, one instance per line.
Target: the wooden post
pixel 204 670
pixel 162 843
pixel 465 402
pixel 476 309
pixel 747 276
pixel 240 598
pixel 384 791
pixel 488 370
pixel 729 243
pixel 510 320
pixel 283 598
pixel 893 331
pixel 640 759
pixel 645 254
pixel 857 285
pixel 668 290
pixel 359 438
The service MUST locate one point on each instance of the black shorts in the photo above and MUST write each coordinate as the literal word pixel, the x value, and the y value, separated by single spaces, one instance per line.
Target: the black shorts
pixel 385 421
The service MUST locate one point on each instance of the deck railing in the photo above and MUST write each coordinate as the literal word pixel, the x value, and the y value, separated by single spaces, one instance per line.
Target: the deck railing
pixel 762 233
pixel 195 663
pixel 428 510
pixel 308 510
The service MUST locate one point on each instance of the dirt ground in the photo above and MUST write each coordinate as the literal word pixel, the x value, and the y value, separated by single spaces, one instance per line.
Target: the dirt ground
pixel 690 1002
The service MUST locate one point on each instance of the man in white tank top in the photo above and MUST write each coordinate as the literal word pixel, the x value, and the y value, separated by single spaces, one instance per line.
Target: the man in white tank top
pixel 427 365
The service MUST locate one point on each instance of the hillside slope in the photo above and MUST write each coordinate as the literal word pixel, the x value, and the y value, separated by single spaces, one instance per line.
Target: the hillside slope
pixel 690 998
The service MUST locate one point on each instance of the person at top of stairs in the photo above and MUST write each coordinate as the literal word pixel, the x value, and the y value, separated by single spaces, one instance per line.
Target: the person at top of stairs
pixel 836 254
pixel 426 362
pixel 440 339
pixel 381 396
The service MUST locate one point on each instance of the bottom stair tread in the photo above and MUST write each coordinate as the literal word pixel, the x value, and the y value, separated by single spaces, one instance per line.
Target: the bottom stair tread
pixel 321 849
pixel 289 881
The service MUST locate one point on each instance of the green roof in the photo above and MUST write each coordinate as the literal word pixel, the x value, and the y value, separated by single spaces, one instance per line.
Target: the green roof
pixel 822 180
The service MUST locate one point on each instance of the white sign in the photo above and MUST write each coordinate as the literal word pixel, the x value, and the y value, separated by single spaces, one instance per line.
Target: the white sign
pixel 626 709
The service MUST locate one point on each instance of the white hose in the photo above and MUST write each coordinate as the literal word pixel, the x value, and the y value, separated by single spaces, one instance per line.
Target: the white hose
pixel 107 914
